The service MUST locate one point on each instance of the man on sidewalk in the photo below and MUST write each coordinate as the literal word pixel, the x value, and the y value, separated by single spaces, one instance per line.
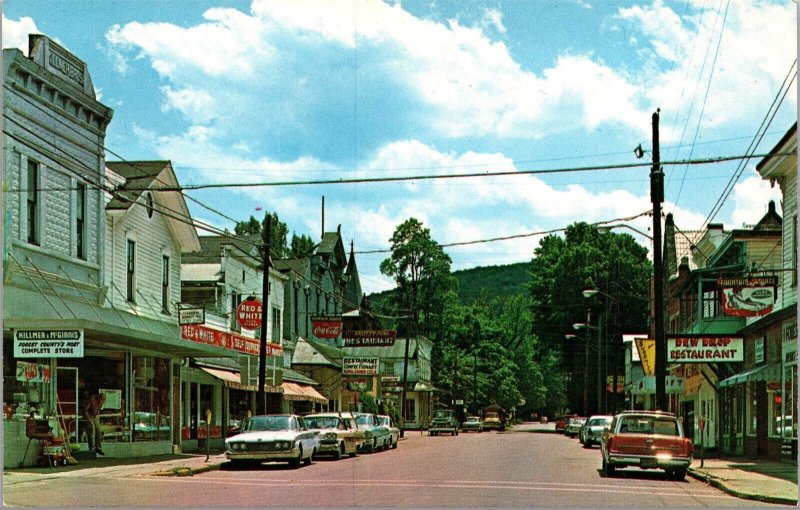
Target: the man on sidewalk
pixel 92 415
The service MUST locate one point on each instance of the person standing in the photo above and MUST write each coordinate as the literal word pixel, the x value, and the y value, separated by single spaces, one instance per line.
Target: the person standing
pixel 92 415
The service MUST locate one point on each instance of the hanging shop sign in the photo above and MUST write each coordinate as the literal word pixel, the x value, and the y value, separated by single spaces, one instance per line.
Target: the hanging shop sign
pixel 369 337
pixel 647 385
pixel 217 338
pixel 390 380
pixel 194 315
pixel 326 326
pixel 48 343
pixel 705 349
pixel 748 297
pixel 355 365
pixel 360 384
pixel 646 348
pixel 33 372
pixel 248 314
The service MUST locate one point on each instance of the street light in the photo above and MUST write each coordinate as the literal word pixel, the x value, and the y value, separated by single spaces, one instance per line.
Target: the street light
pixel 585 372
pixel 588 326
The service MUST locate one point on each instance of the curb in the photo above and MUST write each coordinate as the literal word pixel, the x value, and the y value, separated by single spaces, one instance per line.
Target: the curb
pixel 720 484
pixel 186 471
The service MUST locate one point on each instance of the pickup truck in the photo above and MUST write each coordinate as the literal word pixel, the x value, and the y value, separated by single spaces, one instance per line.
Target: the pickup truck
pixel 444 421
pixel 647 440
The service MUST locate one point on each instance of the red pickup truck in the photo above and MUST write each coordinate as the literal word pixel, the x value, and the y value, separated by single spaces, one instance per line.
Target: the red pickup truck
pixel 648 440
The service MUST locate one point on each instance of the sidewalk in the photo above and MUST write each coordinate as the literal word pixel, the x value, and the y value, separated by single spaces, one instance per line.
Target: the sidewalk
pixel 757 479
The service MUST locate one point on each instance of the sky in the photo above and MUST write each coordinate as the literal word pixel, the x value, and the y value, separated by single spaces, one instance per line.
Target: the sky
pixel 269 91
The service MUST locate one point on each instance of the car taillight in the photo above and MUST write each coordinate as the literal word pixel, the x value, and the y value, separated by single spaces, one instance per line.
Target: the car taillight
pixel 689 448
pixel 610 443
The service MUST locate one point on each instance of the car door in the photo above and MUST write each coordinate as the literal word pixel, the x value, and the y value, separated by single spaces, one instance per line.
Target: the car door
pixel 305 436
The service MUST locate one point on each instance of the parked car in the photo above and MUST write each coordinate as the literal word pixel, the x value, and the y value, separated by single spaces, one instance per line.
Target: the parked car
pixel 394 432
pixel 473 423
pixel 494 418
pixel 562 421
pixel 444 421
pixel 272 437
pixel 574 426
pixel 593 429
pixel 648 440
pixel 338 433
pixel 376 436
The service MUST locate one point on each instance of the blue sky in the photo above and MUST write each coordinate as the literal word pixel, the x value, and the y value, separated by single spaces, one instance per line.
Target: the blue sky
pixel 265 91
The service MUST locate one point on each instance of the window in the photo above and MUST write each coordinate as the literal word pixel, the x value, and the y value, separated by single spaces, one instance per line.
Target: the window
pixel 236 299
pixel 33 202
pixel 276 324
pixel 149 202
pixel 80 214
pixel 131 271
pixel 710 303
pixel 165 284
pixel 794 251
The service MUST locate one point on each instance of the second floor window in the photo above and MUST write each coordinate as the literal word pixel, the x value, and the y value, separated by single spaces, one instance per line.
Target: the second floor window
pixel 276 325
pixel 80 213
pixel 165 284
pixel 33 202
pixel 236 299
pixel 131 272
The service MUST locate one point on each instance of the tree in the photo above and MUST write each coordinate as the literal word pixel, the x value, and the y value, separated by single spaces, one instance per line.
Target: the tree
pixel 302 246
pixel 278 233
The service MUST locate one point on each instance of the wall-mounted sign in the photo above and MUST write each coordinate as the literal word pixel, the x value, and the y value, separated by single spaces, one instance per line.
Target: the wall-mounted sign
pixel 217 338
pixel 646 348
pixel 647 385
pixel 747 297
pixel 194 315
pixel 369 337
pixel 43 343
pixel 359 366
pixel 390 380
pixel 326 326
pixel 33 372
pixel 361 384
pixel 248 314
pixel 705 349
pixel 758 350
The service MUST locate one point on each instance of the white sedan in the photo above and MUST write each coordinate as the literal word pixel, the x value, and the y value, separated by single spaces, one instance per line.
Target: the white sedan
pixel 394 432
pixel 274 437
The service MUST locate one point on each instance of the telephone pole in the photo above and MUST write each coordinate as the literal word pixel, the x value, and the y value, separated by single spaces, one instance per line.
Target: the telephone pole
pixel 261 398
pixel 657 197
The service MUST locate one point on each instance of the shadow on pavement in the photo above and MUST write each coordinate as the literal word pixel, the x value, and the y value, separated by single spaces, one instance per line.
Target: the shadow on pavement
pixel 787 472
pixel 638 474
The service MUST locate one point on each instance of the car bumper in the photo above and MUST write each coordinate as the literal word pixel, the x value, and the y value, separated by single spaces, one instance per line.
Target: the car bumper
pixel 649 461
pixel 263 456
pixel 328 447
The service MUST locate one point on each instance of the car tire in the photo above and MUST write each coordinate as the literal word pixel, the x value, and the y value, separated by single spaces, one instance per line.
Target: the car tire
pixel 394 445
pixel 608 469
pixel 339 452
pixel 678 474
pixel 296 462
pixel 310 458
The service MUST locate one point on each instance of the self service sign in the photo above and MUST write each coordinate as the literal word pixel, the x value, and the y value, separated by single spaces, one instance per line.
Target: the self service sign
pixel 48 343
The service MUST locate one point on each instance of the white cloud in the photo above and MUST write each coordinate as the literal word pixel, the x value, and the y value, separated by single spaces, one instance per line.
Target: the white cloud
pixel 751 198
pixel 195 104
pixel 494 18
pixel 15 32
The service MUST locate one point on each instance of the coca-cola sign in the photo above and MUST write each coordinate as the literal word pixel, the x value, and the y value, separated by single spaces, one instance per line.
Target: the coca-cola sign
pixel 326 327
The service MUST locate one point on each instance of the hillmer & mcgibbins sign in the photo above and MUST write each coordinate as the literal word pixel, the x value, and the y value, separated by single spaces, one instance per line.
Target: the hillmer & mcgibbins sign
pixel 48 343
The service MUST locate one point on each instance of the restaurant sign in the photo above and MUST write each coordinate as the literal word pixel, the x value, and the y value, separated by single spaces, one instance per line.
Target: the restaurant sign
pixel 705 349
pixel 47 343
pixel 326 326
pixel 217 338
pixel 369 337
pixel 355 365
pixel 747 297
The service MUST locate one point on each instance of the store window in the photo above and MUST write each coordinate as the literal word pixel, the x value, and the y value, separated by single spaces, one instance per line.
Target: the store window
pixel 790 402
pixel 151 412
pixel 776 419
pixel 752 408
pixel 33 202
pixel 24 385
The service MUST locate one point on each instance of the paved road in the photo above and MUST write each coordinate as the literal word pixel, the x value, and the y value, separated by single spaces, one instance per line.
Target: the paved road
pixel 486 470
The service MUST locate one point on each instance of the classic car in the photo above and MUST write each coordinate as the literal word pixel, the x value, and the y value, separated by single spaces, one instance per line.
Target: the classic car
pixel 648 440
pixel 593 429
pixel 443 422
pixel 574 426
pixel 561 422
pixel 473 423
pixel 338 433
pixel 272 437
pixel 493 421
pixel 394 432
pixel 376 436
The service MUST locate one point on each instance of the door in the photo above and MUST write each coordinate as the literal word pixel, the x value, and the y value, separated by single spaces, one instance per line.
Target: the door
pixel 761 419
pixel 67 402
pixel 194 412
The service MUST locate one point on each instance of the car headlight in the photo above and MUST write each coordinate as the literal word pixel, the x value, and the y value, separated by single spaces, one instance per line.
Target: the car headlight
pixel 330 435
pixel 243 446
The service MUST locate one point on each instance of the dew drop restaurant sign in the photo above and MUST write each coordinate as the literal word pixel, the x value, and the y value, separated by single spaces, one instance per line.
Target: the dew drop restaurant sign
pixel 48 343
pixel 705 349
pixel 747 297
pixel 369 337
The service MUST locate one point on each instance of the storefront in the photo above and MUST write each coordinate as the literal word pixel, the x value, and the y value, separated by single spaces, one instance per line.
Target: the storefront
pixel 786 398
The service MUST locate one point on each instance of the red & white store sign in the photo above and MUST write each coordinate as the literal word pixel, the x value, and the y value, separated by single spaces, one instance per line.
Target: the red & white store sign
pixel 217 338
pixel 248 314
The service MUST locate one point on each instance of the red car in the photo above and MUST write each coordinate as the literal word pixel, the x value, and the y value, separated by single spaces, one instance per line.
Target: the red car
pixel 647 440
pixel 561 423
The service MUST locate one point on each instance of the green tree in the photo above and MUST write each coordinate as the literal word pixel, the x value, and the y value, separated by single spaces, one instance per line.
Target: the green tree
pixel 302 246
pixel 278 233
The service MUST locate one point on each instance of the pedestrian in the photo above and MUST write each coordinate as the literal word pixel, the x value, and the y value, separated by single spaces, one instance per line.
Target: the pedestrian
pixel 92 415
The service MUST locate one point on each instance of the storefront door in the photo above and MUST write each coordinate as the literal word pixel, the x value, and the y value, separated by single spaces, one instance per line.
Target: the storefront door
pixel 761 419
pixel 193 410
pixel 67 403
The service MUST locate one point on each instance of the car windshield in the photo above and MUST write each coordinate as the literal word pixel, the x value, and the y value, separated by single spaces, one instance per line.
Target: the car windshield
pixel 322 422
pixel 364 419
pixel 442 414
pixel 600 421
pixel 472 419
pixel 491 415
pixel 259 423
pixel 648 425
pixel 383 421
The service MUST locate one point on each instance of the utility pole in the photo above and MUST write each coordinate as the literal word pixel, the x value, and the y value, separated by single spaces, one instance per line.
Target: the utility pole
pixel 405 363
pixel 657 197
pixel 261 404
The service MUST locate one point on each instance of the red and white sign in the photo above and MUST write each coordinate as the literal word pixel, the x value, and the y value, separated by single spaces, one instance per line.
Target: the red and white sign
pixel 248 314
pixel 326 327
pixel 747 297
pixel 705 349
pixel 369 337
pixel 217 338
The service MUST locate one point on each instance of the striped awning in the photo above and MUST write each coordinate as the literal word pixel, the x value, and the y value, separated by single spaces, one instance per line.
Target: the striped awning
pixel 295 391
pixel 768 372
pixel 234 380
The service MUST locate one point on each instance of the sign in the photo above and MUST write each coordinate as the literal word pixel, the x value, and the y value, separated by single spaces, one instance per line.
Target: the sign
pixel 361 384
pixel 194 315
pixel 646 347
pixel 33 372
pixel 248 314
pixel 326 326
pixel 369 338
pixel 359 366
pixel 705 349
pixel 748 297
pixel 647 385
pixel 390 380
pixel 217 338
pixel 620 388
pixel 758 350
pixel 43 343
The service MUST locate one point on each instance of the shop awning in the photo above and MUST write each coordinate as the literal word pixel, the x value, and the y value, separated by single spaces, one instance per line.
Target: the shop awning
pixel 768 372
pixel 295 391
pixel 423 386
pixel 234 380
